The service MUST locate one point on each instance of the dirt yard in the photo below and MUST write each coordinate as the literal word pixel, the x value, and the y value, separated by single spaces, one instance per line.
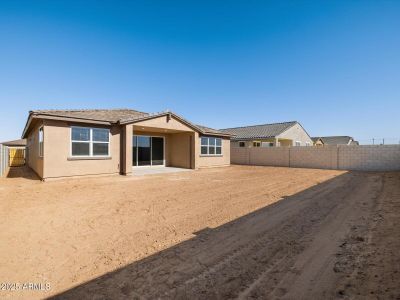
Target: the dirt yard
pixel 236 232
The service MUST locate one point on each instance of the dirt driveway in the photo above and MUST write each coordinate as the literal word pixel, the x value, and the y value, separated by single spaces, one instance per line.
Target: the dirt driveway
pixel 236 232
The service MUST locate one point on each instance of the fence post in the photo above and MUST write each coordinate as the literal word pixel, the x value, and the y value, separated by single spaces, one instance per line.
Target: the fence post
pixel 337 157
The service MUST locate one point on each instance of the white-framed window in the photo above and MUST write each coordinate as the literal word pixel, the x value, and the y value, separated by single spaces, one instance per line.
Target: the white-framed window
pixel 242 144
pixel 41 140
pixel 211 146
pixel 298 143
pixel 308 144
pixel 90 142
pixel 256 144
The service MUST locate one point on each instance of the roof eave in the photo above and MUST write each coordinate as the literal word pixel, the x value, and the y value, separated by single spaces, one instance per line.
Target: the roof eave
pixel 34 115
pixel 194 127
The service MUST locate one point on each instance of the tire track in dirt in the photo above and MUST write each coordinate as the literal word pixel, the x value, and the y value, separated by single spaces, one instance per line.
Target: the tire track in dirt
pixel 272 247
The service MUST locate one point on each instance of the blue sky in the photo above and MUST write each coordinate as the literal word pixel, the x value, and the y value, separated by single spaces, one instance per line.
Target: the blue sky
pixel 332 65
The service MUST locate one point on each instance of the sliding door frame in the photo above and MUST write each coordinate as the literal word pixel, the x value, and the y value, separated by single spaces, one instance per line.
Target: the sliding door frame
pixel 151 152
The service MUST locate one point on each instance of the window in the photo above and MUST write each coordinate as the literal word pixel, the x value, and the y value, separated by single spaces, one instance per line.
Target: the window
pixel 211 146
pixel 307 143
pixel 41 138
pixel 256 144
pixel 242 144
pixel 298 143
pixel 267 144
pixel 87 141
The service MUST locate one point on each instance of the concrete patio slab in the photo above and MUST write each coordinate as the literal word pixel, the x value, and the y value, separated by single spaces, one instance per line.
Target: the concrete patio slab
pixel 141 171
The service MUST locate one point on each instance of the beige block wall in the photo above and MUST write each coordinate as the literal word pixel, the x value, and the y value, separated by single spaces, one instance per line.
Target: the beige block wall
pixel 371 157
pixel 271 156
pixel 250 143
pixel 314 157
pixel 34 161
pixel 362 158
pixel 215 161
pixel 58 161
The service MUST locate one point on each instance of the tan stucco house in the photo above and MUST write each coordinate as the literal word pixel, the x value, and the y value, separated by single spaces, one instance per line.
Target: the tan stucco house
pixel 284 134
pixel 64 143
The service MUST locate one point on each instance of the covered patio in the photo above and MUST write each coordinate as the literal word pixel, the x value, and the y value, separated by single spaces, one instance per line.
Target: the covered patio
pixel 159 144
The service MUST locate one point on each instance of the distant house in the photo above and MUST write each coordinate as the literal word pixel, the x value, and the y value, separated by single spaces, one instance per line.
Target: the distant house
pixel 269 135
pixel 334 140
pixel 16 152
pixel 317 141
pixel 15 143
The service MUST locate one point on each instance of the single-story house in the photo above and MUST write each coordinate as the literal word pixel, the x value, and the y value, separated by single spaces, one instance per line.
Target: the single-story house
pixel 63 143
pixel 284 134
pixel 15 143
pixel 16 152
pixel 317 141
pixel 337 140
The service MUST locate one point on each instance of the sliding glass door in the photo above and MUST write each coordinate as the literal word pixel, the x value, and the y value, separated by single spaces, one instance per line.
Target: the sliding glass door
pixel 148 150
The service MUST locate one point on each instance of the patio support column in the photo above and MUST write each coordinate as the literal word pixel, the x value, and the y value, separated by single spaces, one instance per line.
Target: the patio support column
pixel 195 151
pixel 126 149
pixel 276 142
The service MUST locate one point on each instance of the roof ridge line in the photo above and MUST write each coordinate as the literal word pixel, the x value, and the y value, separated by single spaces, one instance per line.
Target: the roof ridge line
pixel 260 125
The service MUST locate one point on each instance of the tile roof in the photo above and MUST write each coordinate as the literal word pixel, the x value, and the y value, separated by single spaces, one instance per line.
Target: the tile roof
pixel 108 115
pixel 117 116
pixel 259 131
pixel 335 140
pixel 21 142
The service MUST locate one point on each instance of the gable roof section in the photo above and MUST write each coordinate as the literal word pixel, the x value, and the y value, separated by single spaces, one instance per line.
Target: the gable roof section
pixel 316 139
pixel 259 131
pixel 336 140
pixel 109 117
pixel 16 143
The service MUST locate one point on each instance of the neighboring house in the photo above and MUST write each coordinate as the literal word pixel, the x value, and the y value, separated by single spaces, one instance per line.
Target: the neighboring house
pixel 65 143
pixel 317 141
pixel 269 135
pixel 16 152
pixel 15 143
pixel 337 140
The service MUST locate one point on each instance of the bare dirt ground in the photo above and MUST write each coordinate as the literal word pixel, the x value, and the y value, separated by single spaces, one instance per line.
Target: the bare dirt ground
pixel 237 232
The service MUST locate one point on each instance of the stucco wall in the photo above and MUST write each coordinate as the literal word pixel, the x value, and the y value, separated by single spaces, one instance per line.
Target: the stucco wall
pixel 215 161
pixel 180 147
pixel 57 158
pixel 33 160
pixel 165 123
pixel 296 133
pixel 363 158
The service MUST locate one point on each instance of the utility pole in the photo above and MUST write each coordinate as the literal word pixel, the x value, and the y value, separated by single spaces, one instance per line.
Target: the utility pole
pixel 373 141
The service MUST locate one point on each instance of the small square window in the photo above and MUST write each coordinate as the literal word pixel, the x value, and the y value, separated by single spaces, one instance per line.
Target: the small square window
pixel 80 134
pixel 80 149
pixel 204 141
pixel 100 149
pixel 100 135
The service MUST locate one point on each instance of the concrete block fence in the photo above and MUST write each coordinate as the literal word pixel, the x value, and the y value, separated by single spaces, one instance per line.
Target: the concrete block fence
pixel 359 158
pixel 3 160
